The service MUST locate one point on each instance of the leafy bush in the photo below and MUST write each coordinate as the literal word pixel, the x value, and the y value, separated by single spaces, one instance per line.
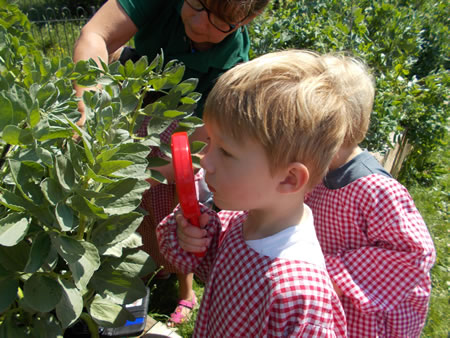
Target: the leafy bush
pixel 69 197
pixel 405 43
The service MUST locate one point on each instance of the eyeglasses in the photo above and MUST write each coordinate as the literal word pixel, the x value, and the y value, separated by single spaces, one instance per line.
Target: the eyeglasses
pixel 220 24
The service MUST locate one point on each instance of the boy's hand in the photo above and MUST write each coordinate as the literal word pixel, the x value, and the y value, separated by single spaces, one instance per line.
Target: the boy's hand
pixel 192 238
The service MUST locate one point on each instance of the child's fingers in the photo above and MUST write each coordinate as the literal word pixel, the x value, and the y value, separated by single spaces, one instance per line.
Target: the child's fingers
pixel 191 238
pixel 192 235
pixel 204 219
pixel 186 228
pixel 181 221
pixel 190 247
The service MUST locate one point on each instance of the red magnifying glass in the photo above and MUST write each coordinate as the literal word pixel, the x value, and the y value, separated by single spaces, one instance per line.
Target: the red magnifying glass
pixel 184 179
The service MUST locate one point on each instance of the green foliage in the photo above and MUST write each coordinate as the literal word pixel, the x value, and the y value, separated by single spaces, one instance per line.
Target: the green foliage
pixel 69 197
pixel 433 204
pixel 405 43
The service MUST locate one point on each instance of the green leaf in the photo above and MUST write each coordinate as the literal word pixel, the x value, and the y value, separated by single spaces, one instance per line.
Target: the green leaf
pixel 106 154
pixel 191 122
pixel 129 102
pixel 64 172
pixel 196 161
pixel 9 286
pixel 157 176
pixel 82 257
pixel 12 327
pixel 52 259
pixel 51 133
pixel 140 67
pixel 106 168
pixel 197 146
pixel 40 250
pixel 16 136
pixel 101 179
pixel 132 263
pixel 15 168
pixel 157 126
pixel 26 174
pixel 69 248
pixel 42 293
pixel 127 196
pixel 91 194
pixel 85 138
pixel 108 314
pixel 85 207
pixel 129 67
pixel 85 267
pixel 133 241
pixel 8 117
pixel 65 217
pixel 118 287
pixel 70 306
pixel 158 83
pixel 14 258
pixel 115 229
pixel 75 157
pixel 45 156
pixel 157 162
pixel 46 325
pixel 13 228
pixel 174 114
pixel 52 191
pixel 47 95
pixel 174 72
pixel 187 86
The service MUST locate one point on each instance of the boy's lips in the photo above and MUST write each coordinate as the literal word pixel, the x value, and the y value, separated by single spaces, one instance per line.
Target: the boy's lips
pixel 210 188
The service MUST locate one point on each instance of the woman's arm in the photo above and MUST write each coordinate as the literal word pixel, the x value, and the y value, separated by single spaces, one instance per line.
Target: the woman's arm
pixel 109 29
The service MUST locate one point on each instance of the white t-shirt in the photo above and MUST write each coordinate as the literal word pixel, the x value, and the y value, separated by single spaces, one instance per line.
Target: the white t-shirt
pixel 297 242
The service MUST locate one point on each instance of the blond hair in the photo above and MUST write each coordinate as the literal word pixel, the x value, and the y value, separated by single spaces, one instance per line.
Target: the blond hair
pixel 295 103
pixel 359 87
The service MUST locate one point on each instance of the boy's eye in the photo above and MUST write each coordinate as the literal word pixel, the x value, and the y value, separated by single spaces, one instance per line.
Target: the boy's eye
pixel 225 153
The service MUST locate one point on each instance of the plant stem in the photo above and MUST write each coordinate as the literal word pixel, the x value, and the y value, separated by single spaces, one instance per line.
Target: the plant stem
pixel 136 112
pixel 81 227
pixel 92 326
pixel 3 155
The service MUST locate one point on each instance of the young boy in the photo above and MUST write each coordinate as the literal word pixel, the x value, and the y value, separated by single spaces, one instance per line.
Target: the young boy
pixel 274 124
pixel 377 247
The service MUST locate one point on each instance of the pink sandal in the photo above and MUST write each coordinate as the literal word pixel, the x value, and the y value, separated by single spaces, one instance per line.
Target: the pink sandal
pixel 178 317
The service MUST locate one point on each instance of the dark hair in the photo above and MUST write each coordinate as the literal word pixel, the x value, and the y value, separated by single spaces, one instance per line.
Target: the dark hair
pixel 235 11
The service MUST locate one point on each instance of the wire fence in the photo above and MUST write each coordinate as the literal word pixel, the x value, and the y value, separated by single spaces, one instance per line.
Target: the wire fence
pixel 55 29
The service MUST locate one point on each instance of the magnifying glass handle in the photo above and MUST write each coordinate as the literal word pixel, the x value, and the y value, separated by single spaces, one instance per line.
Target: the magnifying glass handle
pixel 184 179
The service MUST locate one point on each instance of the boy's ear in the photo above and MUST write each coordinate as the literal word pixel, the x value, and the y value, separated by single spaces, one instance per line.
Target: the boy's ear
pixel 296 178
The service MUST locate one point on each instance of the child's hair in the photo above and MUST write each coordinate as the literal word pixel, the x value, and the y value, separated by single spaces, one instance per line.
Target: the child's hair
pixel 359 87
pixel 234 11
pixel 297 104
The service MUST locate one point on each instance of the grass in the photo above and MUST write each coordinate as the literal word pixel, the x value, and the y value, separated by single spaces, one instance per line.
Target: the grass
pixel 433 204
pixel 164 299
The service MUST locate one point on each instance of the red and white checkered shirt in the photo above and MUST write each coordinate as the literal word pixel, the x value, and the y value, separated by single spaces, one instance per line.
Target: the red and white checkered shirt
pixel 251 295
pixel 379 252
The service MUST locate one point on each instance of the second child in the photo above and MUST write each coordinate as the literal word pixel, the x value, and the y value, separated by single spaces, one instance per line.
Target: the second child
pixel 377 247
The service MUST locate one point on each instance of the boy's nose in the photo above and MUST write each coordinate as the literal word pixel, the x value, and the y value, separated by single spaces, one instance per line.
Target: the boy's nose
pixel 206 164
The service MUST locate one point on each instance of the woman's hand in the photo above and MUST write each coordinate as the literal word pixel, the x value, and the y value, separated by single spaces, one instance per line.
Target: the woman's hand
pixel 108 30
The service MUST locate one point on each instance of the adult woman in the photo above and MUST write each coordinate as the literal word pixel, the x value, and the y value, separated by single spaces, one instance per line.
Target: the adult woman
pixel 208 36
